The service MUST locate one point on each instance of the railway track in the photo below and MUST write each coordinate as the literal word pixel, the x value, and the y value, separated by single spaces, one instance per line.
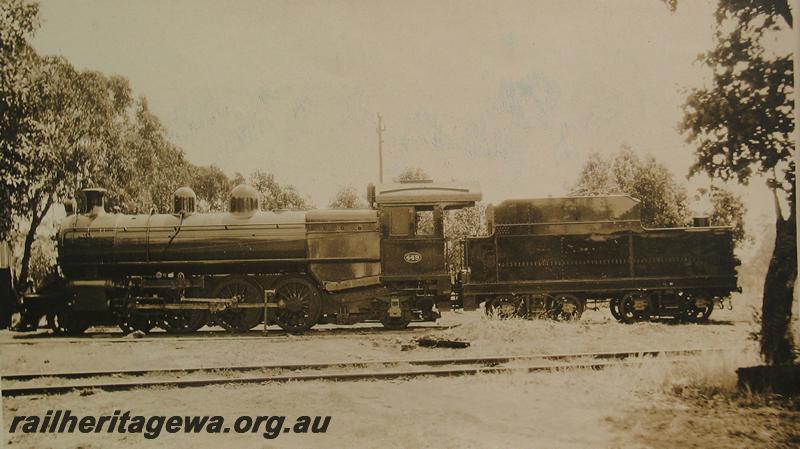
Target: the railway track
pixel 375 370
pixel 210 335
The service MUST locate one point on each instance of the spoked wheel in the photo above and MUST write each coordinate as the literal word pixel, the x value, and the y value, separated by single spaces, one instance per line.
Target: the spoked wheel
pixel 299 304
pixel 184 321
pixel 699 306
pixel 634 307
pixel 66 321
pixel 505 307
pixel 241 290
pixel 613 306
pixel 136 321
pixel 567 308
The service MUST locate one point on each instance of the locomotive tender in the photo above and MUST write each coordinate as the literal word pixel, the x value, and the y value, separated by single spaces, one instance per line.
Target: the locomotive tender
pixel 543 257
pixel 548 256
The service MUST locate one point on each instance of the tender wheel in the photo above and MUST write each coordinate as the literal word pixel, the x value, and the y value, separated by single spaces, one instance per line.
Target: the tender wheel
pixel 67 322
pixel 299 304
pixel 567 308
pixel 184 321
pixel 241 290
pixel 699 306
pixel 505 307
pixel 634 307
pixel 613 306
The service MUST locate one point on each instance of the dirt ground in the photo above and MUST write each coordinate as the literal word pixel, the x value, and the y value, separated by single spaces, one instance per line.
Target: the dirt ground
pixel 649 405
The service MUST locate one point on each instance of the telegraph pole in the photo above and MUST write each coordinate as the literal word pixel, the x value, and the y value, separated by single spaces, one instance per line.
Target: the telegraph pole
pixel 380 130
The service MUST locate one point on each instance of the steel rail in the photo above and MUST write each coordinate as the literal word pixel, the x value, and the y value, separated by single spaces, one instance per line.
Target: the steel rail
pixel 492 362
pixel 369 375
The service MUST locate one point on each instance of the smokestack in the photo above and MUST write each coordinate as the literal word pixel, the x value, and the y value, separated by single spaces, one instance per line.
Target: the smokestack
pixel 95 201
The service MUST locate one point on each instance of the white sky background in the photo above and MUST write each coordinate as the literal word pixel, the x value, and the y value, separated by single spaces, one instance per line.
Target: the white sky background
pixel 512 94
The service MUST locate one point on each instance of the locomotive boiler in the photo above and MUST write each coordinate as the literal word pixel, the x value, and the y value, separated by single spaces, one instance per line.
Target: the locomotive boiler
pixel 549 256
pixel 182 270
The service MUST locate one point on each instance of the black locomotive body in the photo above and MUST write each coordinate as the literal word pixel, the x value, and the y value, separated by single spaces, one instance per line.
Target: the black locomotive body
pixel 547 257
pixel 182 270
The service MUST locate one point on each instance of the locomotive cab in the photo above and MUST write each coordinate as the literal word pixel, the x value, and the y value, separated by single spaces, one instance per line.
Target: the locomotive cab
pixel 412 233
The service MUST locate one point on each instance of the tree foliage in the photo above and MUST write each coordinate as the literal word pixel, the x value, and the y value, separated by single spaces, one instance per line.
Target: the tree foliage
pixel 275 196
pixel 144 168
pixel 347 198
pixel 664 201
pixel 744 122
pixel 412 174
pixel 742 125
pixel 460 224
pixel 212 187
pixel 62 130
pixel 18 21
pixel 727 209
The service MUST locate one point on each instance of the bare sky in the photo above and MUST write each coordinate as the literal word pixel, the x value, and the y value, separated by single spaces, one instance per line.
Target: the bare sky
pixel 513 94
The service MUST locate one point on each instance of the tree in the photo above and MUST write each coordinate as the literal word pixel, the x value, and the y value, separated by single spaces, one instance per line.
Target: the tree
pixel 742 125
pixel 412 174
pixel 62 130
pixel 18 21
pixel 70 117
pixel 459 224
pixel 142 168
pixel 727 209
pixel 663 199
pixel 273 195
pixel 212 187
pixel 347 198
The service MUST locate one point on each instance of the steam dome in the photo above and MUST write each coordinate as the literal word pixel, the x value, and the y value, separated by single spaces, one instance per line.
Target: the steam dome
pixel 185 200
pixel 244 200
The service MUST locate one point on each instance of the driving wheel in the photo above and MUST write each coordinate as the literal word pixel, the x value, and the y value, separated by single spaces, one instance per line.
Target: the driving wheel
pixel 299 304
pixel 240 290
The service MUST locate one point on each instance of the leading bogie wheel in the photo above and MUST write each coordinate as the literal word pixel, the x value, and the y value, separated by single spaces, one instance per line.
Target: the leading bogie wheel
pixel 299 304
pixel 241 290
pixel 133 321
pixel 66 321
pixel 186 321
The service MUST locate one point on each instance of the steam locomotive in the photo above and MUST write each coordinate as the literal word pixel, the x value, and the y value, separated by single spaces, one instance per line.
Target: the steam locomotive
pixel 542 258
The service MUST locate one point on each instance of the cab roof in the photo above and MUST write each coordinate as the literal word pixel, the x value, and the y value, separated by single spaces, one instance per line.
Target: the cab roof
pixel 449 194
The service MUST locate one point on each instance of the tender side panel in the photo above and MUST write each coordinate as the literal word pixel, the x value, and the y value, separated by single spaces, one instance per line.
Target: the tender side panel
pixel 632 259
pixel 684 253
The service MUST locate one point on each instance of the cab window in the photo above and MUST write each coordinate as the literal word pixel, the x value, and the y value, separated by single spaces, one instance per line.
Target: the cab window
pixel 400 221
